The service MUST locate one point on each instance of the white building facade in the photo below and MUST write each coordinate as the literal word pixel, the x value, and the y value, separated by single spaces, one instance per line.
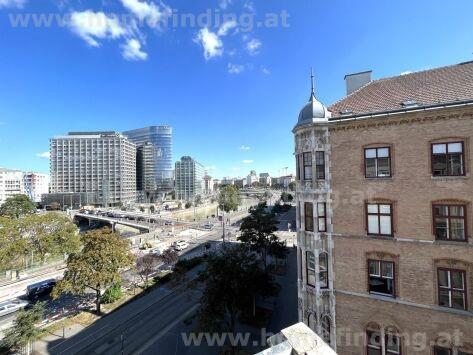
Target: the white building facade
pixel 36 185
pixel 11 183
pixel 102 163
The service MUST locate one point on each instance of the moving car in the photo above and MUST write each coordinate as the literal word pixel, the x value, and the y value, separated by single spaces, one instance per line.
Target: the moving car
pixel 36 290
pixel 11 306
pixel 180 245
pixel 208 226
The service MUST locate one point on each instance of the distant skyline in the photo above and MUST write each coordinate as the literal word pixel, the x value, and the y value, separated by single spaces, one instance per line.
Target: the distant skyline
pixel 231 89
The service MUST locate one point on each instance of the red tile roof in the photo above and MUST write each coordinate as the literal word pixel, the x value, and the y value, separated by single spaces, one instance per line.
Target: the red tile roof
pixel 430 87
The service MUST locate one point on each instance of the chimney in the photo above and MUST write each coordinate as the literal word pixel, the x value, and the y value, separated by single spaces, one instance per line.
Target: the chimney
pixel 357 80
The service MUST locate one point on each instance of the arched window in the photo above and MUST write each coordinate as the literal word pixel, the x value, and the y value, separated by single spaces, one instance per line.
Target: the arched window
pixel 310 268
pixel 323 270
pixel 326 328
pixel 311 320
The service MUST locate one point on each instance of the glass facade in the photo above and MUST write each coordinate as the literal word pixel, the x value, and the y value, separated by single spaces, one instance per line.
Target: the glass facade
pixel 161 138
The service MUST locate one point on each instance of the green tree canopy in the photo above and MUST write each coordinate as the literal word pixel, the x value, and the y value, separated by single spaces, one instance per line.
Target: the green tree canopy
pixel 233 279
pixel 97 265
pixel 257 232
pixel 17 206
pixel 37 234
pixel 13 247
pixel 24 328
pixel 229 199
pixel 50 234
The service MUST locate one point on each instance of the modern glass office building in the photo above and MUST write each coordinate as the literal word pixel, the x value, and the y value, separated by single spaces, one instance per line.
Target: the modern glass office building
pixel 161 138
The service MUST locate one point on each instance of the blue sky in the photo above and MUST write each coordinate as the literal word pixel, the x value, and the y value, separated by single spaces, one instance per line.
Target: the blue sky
pixel 231 92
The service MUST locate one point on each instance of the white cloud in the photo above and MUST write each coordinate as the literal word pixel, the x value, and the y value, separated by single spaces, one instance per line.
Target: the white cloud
pixel 211 168
pixel 210 41
pixel 93 26
pixel 265 70
pixel 226 27
pixel 225 3
pixel 236 168
pixel 244 147
pixel 249 6
pixel 12 3
pixel 132 50
pixel 253 46
pixel 406 72
pixel 247 161
pixel 147 11
pixel 45 155
pixel 235 68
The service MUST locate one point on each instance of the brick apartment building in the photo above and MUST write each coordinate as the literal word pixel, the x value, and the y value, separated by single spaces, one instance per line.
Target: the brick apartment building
pixel 384 209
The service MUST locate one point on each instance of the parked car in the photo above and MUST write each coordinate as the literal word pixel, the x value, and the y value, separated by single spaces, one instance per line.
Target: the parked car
pixel 208 226
pixel 39 289
pixel 180 245
pixel 11 306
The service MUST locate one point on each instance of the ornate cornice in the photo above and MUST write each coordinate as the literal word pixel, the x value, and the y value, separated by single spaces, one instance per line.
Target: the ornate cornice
pixel 408 118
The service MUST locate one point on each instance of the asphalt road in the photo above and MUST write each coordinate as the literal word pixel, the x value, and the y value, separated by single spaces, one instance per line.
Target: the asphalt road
pixel 136 326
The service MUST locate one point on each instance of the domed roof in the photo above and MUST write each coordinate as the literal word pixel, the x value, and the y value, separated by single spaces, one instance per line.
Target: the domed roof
pixel 314 111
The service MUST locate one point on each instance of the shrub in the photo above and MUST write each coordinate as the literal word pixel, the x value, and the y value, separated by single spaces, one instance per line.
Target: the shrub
pixel 113 293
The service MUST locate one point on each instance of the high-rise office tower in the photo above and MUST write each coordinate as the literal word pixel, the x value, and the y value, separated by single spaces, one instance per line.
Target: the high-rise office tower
pixel 161 138
pixel 103 163
pixel 189 178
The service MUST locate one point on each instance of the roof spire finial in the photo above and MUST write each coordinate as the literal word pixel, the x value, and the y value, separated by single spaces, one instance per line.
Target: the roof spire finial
pixel 312 94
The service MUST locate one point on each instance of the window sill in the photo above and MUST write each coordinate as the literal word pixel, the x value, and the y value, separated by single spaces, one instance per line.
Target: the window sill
pixel 380 237
pixel 379 178
pixel 382 296
pixel 447 178
pixel 450 242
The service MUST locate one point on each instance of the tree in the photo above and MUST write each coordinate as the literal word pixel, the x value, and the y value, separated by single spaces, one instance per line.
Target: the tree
pixel 188 204
pixel 17 206
pixel 257 232
pixel 24 328
pixel 292 186
pixel 13 247
pixel 146 265
pixel 287 197
pixel 152 209
pixel 169 256
pixel 233 280
pixel 38 234
pixel 198 200
pixel 96 266
pixel 50 234
pixel 229 199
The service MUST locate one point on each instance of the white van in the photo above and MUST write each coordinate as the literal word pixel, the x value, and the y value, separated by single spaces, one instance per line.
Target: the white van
pixel 180 245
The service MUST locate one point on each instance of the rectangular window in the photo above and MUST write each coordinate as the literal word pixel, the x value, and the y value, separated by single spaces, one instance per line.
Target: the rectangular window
pixel 310 268
pixel 309 216
pixel 321 217
pixel 442 351
pixel 373 343
pixel 381 277
pixel 307 157
pixel 393 344
pixel 323 270
pixel 298 167
pixel 320 165
pixel 452 288
pixel 448 159
pixel 379 219
pixel 377 162
pixel 449 222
